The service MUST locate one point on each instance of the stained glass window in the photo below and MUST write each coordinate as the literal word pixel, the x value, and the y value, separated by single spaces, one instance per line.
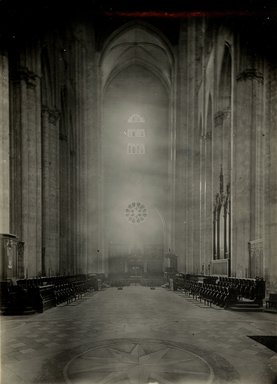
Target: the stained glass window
pixel 135 149
pixel 136 118
pixel 136 212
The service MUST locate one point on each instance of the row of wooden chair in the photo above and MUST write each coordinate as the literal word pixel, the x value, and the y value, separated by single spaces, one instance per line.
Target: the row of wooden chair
pixel 250 289
pixel 43 293
pixel 211 293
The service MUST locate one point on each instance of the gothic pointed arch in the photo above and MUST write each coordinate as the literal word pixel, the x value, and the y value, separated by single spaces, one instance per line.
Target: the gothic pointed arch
pixel 225 80
pixel 137 116
pixel 137 43
pixel 223 115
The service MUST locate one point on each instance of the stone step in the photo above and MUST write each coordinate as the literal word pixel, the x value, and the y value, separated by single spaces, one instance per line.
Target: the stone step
pixel 246 308
pixel 247 304
pixel 270 310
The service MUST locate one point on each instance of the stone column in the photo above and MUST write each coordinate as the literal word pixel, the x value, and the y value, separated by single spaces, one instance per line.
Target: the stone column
pixel 256 258
pixel 180 214
pixel 190 126
pixel 64 189
pixel 248 168
pixel 81 152
pixel 50 190
pixel 270 172
pixel 196 153
pixel 88 151
pixel 209 199
pixel 4 145
pixel 26 132
pixel 196 202
pixel 202 203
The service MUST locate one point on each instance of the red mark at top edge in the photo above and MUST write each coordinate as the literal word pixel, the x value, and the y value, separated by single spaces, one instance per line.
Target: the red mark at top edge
pixel 177 14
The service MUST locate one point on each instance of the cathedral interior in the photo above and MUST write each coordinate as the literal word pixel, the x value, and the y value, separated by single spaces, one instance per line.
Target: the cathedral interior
pixel 138 198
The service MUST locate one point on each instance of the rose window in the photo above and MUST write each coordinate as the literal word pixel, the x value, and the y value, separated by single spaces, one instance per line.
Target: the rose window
pixel 136 212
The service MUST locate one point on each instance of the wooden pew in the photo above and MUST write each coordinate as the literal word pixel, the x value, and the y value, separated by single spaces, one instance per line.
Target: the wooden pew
pixel 44 297
pixel 271 301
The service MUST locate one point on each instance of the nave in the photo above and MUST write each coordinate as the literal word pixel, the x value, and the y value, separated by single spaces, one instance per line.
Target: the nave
pixel 138 141
pixel 137 335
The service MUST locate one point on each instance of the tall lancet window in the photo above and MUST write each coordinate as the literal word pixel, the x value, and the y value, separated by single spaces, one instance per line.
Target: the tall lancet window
pixel 221 217
pixel 136 118
pixel 136 131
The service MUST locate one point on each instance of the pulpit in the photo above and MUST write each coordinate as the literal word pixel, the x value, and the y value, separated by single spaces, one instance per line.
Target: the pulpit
pixel 11 257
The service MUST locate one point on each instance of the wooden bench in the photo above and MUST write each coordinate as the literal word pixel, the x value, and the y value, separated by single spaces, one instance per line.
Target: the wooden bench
pixel 44 297
pixel 272 300
pixel 41 293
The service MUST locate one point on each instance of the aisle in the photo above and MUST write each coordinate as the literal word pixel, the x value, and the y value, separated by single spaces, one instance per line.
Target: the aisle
pixel 136 335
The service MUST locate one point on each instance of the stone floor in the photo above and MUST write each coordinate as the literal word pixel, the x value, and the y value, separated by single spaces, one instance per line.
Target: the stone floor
pixel 136 335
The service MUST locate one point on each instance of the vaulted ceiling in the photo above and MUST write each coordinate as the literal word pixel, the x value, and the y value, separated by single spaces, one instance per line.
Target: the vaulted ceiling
pixel 137 44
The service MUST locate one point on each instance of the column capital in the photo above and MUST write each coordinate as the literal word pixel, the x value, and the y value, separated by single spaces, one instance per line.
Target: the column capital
pixel 250 74
pixel 255 244
pixel 209 135
pixel 206 136
pixel 52 113
pixel 24 74
pixel 220 116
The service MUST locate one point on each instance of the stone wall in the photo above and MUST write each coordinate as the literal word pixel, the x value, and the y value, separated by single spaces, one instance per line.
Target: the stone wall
pixel 4 144
pixel 54 151
pixel 270 175
pixel 234 91
pixel 222 134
